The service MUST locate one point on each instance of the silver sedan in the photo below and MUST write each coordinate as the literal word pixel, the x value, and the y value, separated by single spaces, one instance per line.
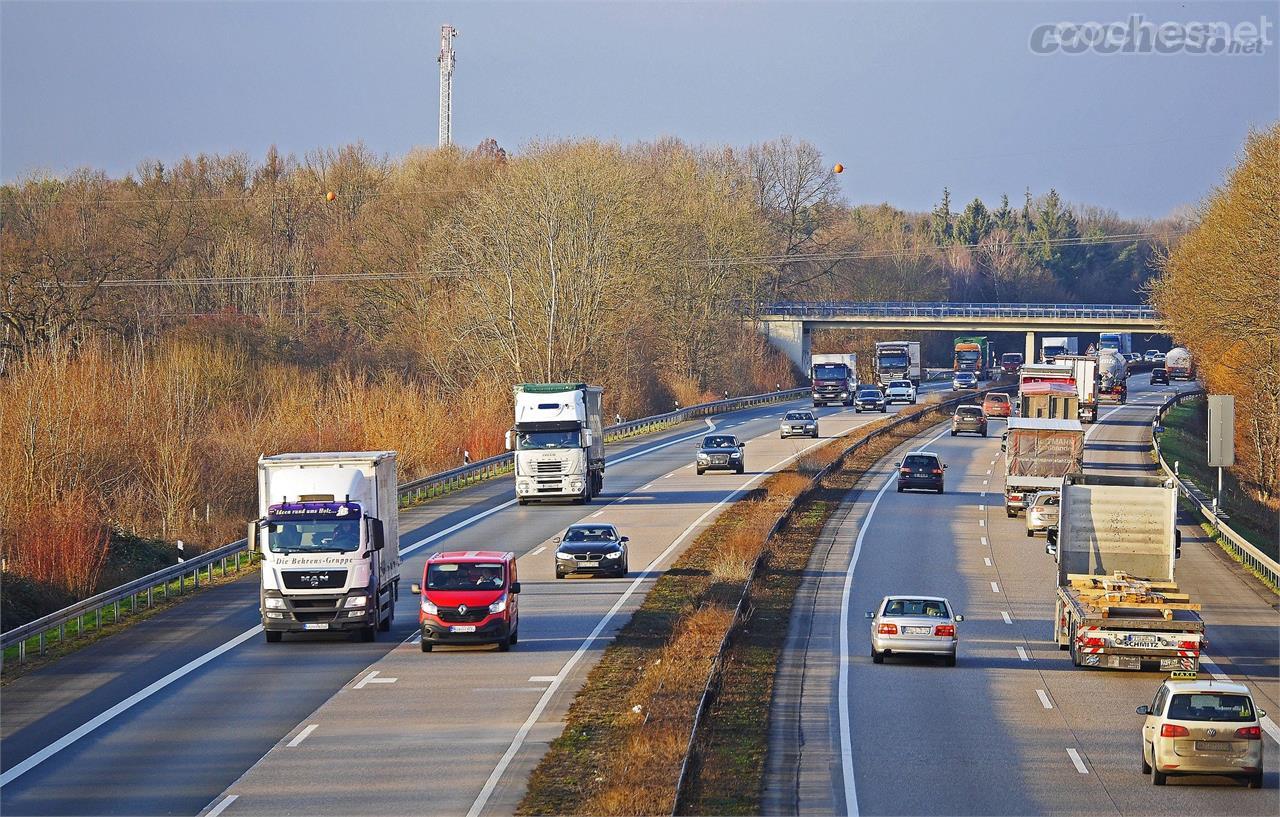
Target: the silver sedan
pixel 918 625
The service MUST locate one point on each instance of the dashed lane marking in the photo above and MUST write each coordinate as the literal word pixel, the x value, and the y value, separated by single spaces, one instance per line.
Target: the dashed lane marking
pixel 539 550
pixel 995 588
pixel 1005 615
pixel 302 735
pixel 1044 699
pixel 1079 764
pixel 1022 654
pixel 984 540
pixel 221 807
pixel 373 678
pixel 597 513
pixel 982 523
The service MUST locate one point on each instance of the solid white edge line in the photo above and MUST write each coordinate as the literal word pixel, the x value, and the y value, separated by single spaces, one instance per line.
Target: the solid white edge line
pixel 1268 725
pixel 842 683
pixel 302 736
pixel 1075 758
pixel 221 807
pixel 19 769
pixel 1044 699
pixel 1005 615
pixel 517 742
pixel 1022 654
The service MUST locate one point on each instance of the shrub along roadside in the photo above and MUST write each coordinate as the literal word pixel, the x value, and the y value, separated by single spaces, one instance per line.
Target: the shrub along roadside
pixel 634 714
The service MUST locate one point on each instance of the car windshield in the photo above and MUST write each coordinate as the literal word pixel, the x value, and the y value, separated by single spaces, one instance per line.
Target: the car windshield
pixel 916 607
pixel 464 576
pixel 965 376
pixel 549 439
pixel 869 394
pixel 314 536
pixel 1210 706
pixel 719 442
pixel 1049 499
pixel 900 384
pixel 997 398
pixel 968 411
pixel 920 461
pixel 603 533
pixel 1011 358
pixel 799 415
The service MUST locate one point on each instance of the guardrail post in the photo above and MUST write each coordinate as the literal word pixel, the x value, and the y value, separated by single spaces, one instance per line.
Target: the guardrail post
pixel 22 651
pixel 115 618
pixel 41 642
pixel 149 597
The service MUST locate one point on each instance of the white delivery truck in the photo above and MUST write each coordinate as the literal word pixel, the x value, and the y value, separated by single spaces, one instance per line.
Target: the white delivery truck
pixel 898 360
pixel 1038 455
pixel 328 529
pixel 558 439
pixel 1084 371
pixel 1050 348
pixel 833 378
pixel 1117 603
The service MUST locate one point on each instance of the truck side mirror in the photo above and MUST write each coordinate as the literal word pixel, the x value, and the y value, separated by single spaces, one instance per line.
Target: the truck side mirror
pixel 376 537
pixel 590 438
pixel 251 539
pixel 507 439
pixel 514 589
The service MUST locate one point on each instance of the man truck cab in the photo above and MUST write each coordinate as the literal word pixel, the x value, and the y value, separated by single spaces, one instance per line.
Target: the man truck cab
pixel 469 597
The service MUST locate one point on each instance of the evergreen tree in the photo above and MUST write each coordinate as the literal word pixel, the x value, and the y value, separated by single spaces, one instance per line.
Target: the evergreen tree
pixel 1028 213
pixel 1003 215
pixel 1054 224
pixel 974 223
pixel 940 223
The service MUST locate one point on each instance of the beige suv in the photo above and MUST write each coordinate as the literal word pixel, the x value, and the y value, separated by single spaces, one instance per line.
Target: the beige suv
pixel 1202 727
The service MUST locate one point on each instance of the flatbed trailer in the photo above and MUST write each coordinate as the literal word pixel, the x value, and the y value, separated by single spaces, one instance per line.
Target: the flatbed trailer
pixel 1121 622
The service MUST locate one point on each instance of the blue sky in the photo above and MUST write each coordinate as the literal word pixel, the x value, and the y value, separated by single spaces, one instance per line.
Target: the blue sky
pixel 909 96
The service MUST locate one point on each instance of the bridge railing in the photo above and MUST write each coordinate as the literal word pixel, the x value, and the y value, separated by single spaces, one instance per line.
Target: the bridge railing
pixel 943 309
pixel 111 605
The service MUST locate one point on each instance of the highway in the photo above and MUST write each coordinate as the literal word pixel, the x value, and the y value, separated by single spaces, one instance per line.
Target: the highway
pixel 190 708
pixel 1014 728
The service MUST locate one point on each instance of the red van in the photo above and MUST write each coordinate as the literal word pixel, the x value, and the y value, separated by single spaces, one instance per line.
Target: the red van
pixel 469 597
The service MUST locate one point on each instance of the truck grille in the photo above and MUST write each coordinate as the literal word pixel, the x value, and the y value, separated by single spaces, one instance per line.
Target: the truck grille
pixel 473 614
pixel 315 608
pixel 313 579
pixel 554 467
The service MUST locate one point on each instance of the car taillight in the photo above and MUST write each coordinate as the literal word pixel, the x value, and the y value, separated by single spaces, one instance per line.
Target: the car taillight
pixel 1188 645
pixel 937 470
pixel 905 470
pixel 887 629
pixel 1249 732
pixel 945 629
pixel 1173 730
pixel 1015 497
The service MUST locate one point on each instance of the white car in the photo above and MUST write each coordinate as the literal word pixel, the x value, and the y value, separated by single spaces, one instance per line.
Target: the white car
pixel 900 391
pixel 1202 727
pixel 918 625
pixel 1042 512
pixel 1154 356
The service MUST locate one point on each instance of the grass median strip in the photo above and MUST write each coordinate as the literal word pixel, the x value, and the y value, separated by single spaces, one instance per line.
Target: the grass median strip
pixel 627 730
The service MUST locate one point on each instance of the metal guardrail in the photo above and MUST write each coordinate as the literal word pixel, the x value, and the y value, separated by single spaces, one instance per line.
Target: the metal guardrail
pixel 944 309
pixel 131 595
pixel 1248 555
pixel 716 673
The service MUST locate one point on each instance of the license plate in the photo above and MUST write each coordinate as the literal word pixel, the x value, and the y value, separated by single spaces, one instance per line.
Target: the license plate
pixel 1213 746
pixel 1139 641
pixel 588 564
pixel 463 628
pixel 321 626
pixel 918 630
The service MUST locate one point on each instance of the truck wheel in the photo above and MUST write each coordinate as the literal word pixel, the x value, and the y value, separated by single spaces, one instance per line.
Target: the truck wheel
pixel 273 638
pixel 1010 513
pixel 1255 780
pixel 521 501
pixel 1030 533
pixel 385 624
pixel 426 645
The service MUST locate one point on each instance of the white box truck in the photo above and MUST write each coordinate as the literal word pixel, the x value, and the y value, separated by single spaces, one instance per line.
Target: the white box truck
pixel 1038 455
pixel 328 529
pixel 1084 370
pixel 558 440
pixel 1051 347
pixel 1117 603
pixel 898 360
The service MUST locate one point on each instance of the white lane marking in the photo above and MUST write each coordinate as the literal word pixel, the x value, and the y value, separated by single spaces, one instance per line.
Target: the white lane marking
pixel 74 735
pixel 1022 655
pixel 1075 758
pixel 302 735
pixel 1268 725
pixel 597 513
pixel 846 730
pixel 984 482
pixel 538 550
pixel 1005 615
pixel 984 493
pixel 1044 699
pixel 988 472
pixel 541 679
pixel 669 476
pixel 486 791
pixel 982 507
pixel 221 807
pixel 987 559
pixel 982 523
pixel 995 588
pixel 647 487
pixel 372 678
pixel 624 499
pixel 984 540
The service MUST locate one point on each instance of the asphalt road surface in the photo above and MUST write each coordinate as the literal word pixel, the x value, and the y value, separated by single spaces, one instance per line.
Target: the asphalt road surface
pixel 166 715
pixel 1014 728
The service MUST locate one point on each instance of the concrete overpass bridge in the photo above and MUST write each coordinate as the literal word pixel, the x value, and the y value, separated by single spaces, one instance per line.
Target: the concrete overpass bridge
pixel 788 325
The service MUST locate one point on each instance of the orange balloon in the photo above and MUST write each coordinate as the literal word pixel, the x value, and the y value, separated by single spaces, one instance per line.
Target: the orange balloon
pixel 330 196
pixel 839 168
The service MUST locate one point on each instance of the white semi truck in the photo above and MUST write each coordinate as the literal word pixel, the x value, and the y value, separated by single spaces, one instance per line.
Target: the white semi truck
pixel 1117 603
pixel 898 360
pixel 328 529
pixel 1051 347
pixel 558 439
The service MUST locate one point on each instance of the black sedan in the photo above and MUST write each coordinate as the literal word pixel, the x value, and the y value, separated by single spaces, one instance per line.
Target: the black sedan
pixel 721 452
pixel 870 400
pixel 1159 375
pixel 921 469
pixel 591 549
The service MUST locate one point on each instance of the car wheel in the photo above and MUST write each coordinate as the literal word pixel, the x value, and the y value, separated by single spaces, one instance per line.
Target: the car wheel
pixel 1158 778
pixel 877 657
pixel 884 409
pixel 742 469
pixel 950 661
pixel 426 645
pixel 273 638
pixel 1146 767
pixel 940 490
pixel 559 575
pixel 1030 533
pixel 857 411
pixel 515 636
pixel 1010 514
pixel 899 489
pixel 953 432
pixel 626 568
pixel 701 471
pixel 505 645
pixel 1255 780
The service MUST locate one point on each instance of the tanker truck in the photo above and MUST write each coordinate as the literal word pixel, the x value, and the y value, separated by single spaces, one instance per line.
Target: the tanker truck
pixel 1179 365
pixel 1113 373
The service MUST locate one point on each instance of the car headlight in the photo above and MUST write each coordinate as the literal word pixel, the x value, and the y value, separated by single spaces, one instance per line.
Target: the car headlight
pixel 429 608
pixel 810 425
pixel 274 603
pixel 617 554
pixel 844 394
pixel 565 556
pixel 703 457
pixel 356 601
pixel 499 605
pixel 736 455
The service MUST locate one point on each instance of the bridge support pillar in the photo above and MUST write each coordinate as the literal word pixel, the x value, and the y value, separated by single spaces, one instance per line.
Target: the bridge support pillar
pixel 1030 355
pixel 791 338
